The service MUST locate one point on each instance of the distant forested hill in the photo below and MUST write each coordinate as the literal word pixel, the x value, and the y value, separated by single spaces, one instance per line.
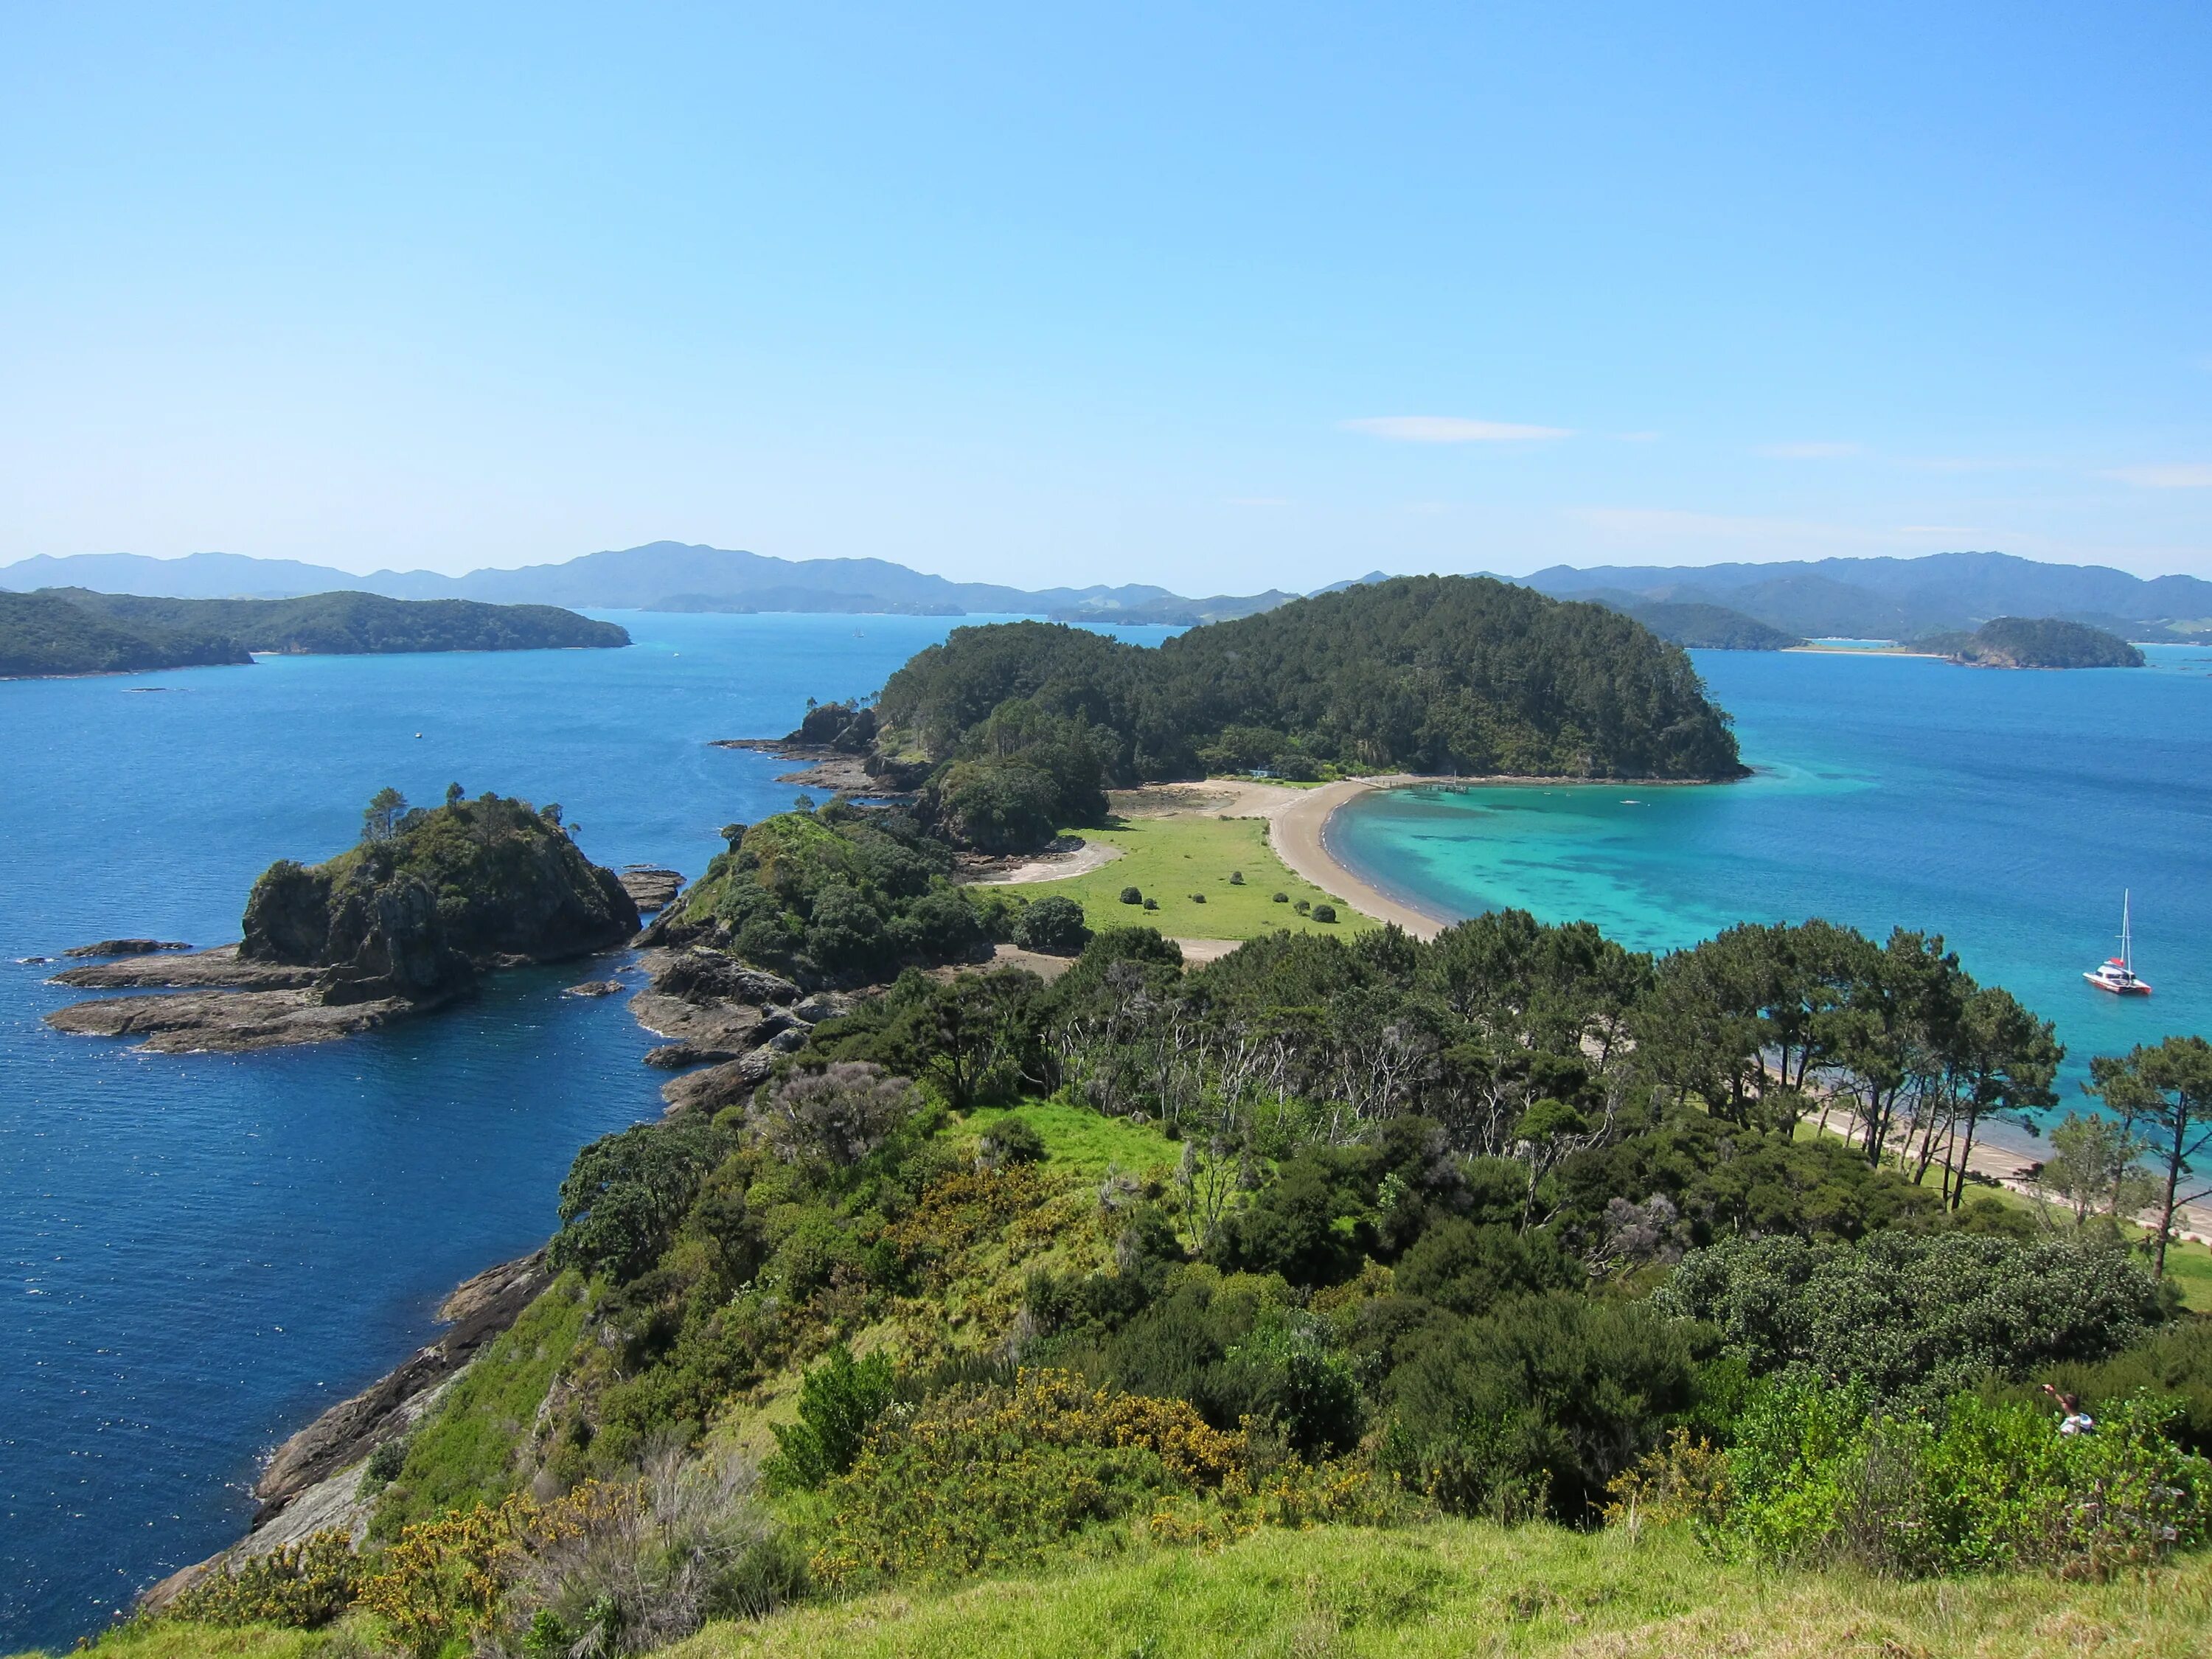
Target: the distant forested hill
pixel 1018 728
pixel 2035 643
pixel 43 634
pixel 358 624
pixel 1700 627
pixel 71 630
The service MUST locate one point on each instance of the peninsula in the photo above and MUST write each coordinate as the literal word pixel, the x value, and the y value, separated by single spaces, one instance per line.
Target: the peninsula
pixel 402 923
pixel 73 630
pixel 1013 733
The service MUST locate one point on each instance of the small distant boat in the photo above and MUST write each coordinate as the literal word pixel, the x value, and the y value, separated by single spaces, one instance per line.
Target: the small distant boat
pixel 2117 973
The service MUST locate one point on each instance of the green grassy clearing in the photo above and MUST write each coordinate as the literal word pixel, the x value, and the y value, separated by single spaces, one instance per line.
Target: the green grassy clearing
pixel 1079 1142
pixel 1457 1588
pixel 1170 858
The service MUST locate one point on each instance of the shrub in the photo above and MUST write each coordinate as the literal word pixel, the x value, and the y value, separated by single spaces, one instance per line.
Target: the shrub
pixel 690 1544
pixel 1814 1477
pixel 1198 898
pixel 1012 1140
pixel 1151 904
pixel 1131 895
pixel 300 1586
pixel 1916 1316
pixel 839 1400
pixel 1054 925
pixel 1303 906
pixel 626 1193
pixel 1324 913
pixel 1235 878
pixel 1279 898
pixel 1536 1409
pixel 836 1115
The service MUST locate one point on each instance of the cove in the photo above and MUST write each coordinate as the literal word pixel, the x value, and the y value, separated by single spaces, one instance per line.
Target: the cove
pixel 2006 810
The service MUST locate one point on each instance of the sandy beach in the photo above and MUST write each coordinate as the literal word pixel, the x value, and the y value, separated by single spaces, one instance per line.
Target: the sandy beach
pixel 1297 829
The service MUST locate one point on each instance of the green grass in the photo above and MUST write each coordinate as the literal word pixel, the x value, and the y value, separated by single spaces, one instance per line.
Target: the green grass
pixel 466 1451
pixel 160 1638
pixel 1079 1141
pixel 1169 859
pixel 1459 1587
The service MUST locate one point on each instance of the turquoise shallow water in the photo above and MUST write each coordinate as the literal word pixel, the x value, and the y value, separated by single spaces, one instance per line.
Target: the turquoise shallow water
pixel 198 1253
pixel 2005 810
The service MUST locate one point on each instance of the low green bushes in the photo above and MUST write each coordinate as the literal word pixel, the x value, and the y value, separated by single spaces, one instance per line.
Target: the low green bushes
pixel 1817 1476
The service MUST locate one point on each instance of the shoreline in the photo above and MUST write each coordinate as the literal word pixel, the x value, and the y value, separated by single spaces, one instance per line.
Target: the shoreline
pixel 1299 831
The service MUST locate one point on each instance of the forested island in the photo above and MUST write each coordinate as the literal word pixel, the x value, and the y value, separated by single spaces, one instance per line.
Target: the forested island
pixel 402 923
pixel 72 630
pixel 2037 643
pixel 43 634
pixel 1014 732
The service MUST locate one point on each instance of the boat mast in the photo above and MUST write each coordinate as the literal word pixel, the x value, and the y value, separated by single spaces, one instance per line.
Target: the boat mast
pixel 2127 948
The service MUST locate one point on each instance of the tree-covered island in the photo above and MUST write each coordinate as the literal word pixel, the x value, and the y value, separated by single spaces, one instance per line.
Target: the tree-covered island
pixel 403 922
pixel 1015 731
pixel 2033 642
pixel 72 630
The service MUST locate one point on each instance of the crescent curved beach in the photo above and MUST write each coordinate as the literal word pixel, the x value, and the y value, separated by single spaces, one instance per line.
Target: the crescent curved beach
pixel 1297 829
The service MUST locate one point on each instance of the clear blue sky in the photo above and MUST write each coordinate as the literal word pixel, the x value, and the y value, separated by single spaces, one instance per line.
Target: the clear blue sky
pixel 1217 297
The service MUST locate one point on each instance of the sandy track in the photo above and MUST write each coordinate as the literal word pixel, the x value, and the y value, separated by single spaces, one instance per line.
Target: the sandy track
pixel 1055 867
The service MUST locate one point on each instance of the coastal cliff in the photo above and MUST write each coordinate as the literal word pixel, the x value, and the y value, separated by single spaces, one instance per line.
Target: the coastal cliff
pixel 402 923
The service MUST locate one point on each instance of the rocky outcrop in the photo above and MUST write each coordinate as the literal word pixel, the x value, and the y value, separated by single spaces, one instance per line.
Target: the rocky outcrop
pixel 125 947
pixel 650 887
pixel 404 923
pixel 731 1018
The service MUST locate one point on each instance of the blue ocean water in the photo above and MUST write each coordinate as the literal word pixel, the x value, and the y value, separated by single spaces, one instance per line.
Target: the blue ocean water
pixel 2006 810
pixel 201 1252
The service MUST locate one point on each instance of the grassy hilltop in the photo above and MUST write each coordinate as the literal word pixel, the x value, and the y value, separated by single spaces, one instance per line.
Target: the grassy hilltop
pixel 1348 1294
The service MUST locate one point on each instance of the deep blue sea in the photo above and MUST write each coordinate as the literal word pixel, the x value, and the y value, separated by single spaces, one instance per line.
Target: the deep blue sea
pixel 2006 810
pixel 203 1251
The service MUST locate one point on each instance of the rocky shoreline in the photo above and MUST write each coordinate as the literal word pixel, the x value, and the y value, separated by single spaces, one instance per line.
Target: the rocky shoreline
pixel 225 1000
pixel 312 1482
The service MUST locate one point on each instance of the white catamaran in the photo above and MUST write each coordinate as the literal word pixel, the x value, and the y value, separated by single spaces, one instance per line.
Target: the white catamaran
pixel 2117 973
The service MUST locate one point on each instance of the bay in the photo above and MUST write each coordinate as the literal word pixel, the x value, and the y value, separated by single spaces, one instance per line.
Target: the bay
pixel 2005 809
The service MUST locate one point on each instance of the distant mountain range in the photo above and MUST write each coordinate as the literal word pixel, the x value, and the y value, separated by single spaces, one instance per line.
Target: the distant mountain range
pixel 659 576
pixel 1727 605
pixel 1902 598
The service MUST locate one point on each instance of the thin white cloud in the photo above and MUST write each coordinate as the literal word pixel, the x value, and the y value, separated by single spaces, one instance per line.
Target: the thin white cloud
pixel 2181 474
pixel 1451 429
pixel 1810 451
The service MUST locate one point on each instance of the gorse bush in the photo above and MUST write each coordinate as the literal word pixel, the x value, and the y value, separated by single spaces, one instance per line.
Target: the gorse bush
pixel 995 1477
pixel 300 1586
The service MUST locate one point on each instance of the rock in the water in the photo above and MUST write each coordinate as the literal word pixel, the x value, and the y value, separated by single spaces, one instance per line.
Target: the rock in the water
pixel 680 1056
pixel 651 888
pixel 398 926
pixel 125 947
pixel 726 1085
pixel 595 988
pixel 704 977
pixel 196 1022
pixel 219 969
